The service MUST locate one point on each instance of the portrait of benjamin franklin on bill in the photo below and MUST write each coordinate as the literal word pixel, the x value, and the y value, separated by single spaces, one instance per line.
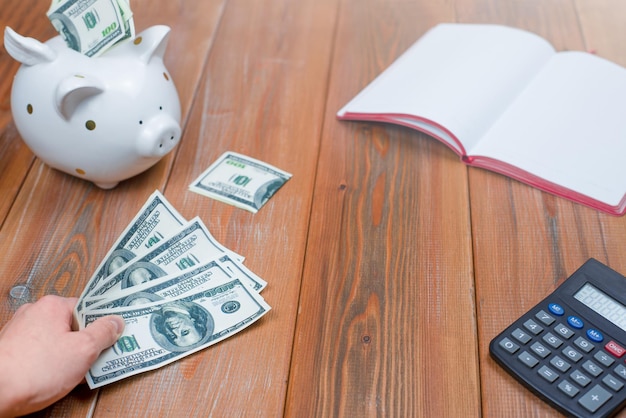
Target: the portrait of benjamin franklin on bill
pixel 140 272
pixel 118 258
pixel 181 326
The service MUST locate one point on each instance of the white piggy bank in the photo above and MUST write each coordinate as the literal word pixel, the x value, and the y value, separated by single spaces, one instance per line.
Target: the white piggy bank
pixel 102 119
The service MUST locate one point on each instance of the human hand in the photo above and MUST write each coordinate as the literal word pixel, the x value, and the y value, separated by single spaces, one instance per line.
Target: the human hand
pixel 42 359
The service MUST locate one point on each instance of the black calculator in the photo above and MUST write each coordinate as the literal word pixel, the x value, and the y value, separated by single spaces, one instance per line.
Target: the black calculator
pixel 570 349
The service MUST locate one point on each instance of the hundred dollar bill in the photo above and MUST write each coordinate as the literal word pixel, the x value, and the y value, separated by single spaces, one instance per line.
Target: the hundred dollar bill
pixel 191 246
pixel 155 221
pixel 127 18
pixel 236 269
pixel 240 181
pixel 158 334
pixel 174 286
pixel 91 26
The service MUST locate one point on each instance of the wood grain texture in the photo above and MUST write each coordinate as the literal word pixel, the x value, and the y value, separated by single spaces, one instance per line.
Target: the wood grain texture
pixel 59 227
pixel 538 240
pixel 262 96
pixel 15 157
pixel 387 298
pixel 391 265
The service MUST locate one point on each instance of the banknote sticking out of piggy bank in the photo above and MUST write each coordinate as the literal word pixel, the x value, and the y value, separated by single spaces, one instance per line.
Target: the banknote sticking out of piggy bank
pixel 102 119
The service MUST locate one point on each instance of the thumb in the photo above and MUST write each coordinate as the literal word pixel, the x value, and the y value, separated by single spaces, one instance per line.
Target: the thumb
pixel 105 331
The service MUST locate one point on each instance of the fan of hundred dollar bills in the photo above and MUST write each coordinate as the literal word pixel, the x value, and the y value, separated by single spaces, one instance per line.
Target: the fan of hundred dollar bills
pixel 92 26
pixel 177 288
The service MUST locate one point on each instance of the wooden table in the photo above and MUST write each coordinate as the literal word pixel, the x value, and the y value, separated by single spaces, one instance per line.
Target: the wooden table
pixel 391 264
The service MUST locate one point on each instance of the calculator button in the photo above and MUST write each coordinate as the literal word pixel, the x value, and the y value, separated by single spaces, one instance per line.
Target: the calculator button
pixel 613 382
pixel 563 331
pixel 595 335
pixel 521 336
pixel 604 358
pixel 528 359
pixel 552 340
pixel 556 309
pixel 548 374
pixel 583 344
pixel 579 378
pixel 615 349
pixel 592 368
pixel 621 371
pixel 568 389
pixel 575 322
pixel 540 350
pixel 595 398
pixel 533 327
pixel 560 364
pixel 509 345
pixel 544 317
pixel 572 354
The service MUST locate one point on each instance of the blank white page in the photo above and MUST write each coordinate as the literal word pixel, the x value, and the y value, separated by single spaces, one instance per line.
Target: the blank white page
pixel 568 127
pixel 461 76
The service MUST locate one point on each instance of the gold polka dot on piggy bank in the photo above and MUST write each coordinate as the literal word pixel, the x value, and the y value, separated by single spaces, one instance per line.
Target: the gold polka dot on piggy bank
pixel 80 171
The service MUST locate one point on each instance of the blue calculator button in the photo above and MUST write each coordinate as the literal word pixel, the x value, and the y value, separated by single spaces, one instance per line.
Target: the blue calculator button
pixel 595 335
pixel 556 309
pixel 575 322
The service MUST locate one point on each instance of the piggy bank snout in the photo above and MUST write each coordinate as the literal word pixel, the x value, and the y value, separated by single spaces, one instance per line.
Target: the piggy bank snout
pixel 158 136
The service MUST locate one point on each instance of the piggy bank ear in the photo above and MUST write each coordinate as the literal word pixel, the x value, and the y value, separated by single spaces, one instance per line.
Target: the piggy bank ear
pixel 72 91
pixel 28 51
pixel 152 43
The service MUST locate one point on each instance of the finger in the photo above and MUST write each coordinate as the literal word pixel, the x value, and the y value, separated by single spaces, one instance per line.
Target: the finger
pixel 105 331
pixel 22 308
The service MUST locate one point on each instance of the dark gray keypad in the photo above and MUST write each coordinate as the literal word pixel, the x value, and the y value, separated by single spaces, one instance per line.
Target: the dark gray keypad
pixel 613 382
pixel 545 317
pixel 604 358
pixel 568 389
pixel 587 373
pixel 552 340
pixel 592 368
pixel 509 345
pixel 579 378
pixel 548 374
pixel 521 336
pixel 572 354
pixel 595 398
pixel 564 331
pixel 583 344
pixel 540 349
pixel 528 359
pixel 533 327
pixel 560 364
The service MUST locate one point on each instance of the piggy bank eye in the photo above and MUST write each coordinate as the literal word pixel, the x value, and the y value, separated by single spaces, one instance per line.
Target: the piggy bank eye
pixel 141 122
pixel 160 107
pixel 91 125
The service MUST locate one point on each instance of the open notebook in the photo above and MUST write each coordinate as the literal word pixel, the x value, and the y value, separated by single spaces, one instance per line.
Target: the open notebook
pixel 505 100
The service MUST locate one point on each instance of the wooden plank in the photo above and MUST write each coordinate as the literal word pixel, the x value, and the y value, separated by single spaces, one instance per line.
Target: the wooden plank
pixel 263 95
pixel 28 18
pixel 385 324
pixel 60 227
pixel 603 28
pixel 538 239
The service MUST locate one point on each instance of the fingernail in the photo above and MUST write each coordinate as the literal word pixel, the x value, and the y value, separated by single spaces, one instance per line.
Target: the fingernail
pixel 119 325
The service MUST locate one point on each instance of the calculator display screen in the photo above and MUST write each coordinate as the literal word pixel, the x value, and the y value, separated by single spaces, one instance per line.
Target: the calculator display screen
pixel 601 303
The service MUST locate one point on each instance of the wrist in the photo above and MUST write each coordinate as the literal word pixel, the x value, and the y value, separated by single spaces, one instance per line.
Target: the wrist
pixel 12 395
